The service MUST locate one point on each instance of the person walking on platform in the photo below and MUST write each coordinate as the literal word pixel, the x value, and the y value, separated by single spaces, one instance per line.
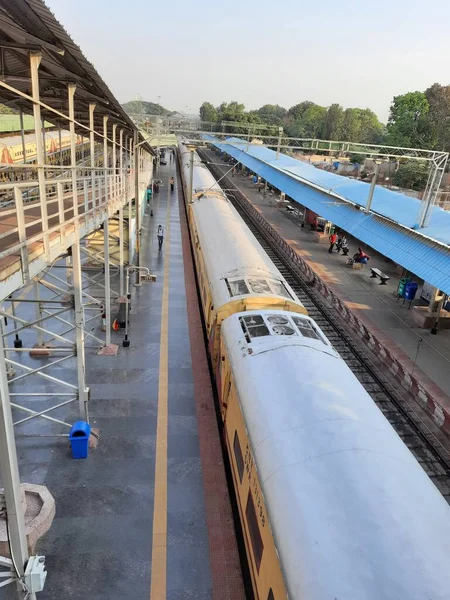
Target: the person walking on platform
pixel 172 184
pixel 333 240
pixel 342 241
pixel 160 235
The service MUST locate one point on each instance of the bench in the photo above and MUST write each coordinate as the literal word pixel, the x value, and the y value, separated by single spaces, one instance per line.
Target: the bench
pixel 380 274
pixel 289 208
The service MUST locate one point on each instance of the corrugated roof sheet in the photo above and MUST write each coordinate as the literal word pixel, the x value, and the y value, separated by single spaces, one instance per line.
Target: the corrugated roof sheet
pixel 29 25
pixel 393 205
pixel 426 258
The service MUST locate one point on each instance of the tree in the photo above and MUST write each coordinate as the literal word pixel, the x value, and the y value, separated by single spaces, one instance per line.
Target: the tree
pixel 438 97
pixel 334 121
pixel 313 121
pixel 352 125
pixel 208 112
pixel 231 111
pixel 412 175
pixel 296 112
pixel 370 128
pixel 271 114
pixel 408 123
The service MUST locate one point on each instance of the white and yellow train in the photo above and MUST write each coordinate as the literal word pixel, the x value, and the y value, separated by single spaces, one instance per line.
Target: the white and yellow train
pixel 333 505
pixel 12 150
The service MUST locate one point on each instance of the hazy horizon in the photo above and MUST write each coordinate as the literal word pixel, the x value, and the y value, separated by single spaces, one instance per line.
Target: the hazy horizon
pixel 262 52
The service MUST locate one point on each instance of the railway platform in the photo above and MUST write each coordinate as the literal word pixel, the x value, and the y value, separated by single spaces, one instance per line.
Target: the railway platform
pixel 421 354
pixel 148 514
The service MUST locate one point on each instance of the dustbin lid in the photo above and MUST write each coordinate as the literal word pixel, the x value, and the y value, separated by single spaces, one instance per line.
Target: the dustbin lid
pixel 412 285
pixel 80 429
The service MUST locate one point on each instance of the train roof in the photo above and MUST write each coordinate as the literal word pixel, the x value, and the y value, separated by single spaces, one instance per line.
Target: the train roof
pixel 353 514
pixel 236 263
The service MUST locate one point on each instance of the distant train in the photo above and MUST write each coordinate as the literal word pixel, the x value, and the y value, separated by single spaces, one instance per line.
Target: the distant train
pixel 12 150
pixel 333 505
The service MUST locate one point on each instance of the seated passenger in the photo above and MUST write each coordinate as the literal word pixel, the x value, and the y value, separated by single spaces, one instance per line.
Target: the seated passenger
pixel 361 257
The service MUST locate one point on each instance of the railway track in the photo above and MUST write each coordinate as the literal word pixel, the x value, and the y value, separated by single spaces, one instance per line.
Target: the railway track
pixel 411 426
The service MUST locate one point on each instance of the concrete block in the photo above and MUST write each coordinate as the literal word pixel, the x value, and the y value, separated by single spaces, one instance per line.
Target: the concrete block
pixel 109 350
pixel 41 350
pixel 426 320
pixel 39 507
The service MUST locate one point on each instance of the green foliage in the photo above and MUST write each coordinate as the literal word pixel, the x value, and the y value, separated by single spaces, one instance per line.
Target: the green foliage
pixel 358 159
pixel 416 120
pixel 412 175
pixel 438 97
pixel 334 122
pixel 140 107
pixel 271 114
pixel 408 123
pixel 6 110
pixel 208 112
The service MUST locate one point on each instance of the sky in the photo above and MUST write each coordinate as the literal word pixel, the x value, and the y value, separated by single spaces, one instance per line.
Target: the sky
pixel 358 54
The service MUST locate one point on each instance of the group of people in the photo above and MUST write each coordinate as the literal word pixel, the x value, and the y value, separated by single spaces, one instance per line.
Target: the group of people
pixel 340 241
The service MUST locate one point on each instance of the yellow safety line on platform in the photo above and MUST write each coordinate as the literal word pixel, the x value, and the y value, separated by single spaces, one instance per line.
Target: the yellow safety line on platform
pixel 159 544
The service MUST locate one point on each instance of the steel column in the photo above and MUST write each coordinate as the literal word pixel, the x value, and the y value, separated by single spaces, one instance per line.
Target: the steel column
pixel 22 234
pixel 114 159
pixel 92 145
pixel 105 155
pixel 372 186
pixel 22 135
pixel 35 61
pixel 71 88
pixel 121 180
pixel 40 333
pixel 107 280
pixel 79 328
pixel 10 476
pixel 130 240
pixel 60 145
pixel 136 202
pixel 121 257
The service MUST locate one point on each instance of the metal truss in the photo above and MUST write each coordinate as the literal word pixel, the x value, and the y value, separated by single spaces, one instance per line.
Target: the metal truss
pixel 55 286
pixel 435 159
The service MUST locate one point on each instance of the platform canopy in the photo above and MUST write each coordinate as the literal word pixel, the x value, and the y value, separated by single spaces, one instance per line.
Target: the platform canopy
pixel 28 26
pixel 388 227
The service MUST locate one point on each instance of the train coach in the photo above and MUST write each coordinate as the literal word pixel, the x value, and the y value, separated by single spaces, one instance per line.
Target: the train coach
pixel 234 272
pixel 333 505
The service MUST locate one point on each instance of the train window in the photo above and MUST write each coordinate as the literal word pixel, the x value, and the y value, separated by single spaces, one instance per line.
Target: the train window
pixel 259 286
pixel 279 289
pixel 270 596
pixel 253 528
pixel 254 326
pixel 238 287
pixel 238 456
pixel 306 328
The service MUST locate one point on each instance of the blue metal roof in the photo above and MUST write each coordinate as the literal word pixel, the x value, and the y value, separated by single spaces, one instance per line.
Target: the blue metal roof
pixel 387 233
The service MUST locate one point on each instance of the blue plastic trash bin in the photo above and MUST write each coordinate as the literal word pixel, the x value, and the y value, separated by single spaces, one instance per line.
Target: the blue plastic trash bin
pixel 410 290
pixel 79 439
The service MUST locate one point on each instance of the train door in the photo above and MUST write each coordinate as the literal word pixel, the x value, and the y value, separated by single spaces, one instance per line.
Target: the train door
pixel 226 396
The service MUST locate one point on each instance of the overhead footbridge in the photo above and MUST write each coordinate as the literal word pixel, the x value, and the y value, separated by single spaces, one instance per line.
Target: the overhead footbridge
pixel 55 287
